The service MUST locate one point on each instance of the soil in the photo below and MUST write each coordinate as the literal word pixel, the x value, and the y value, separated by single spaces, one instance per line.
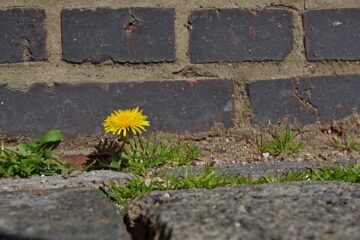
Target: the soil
pixel 238 144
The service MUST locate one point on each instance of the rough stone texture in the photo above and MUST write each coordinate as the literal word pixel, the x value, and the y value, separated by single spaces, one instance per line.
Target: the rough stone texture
pixel 295 210
pixel 80 109
pixel 305 100
pixel 22 35
pixel 136 35
pixel 219 35
pixel 332 34
pixel 258 169
pixel 59 214
pixel 77 179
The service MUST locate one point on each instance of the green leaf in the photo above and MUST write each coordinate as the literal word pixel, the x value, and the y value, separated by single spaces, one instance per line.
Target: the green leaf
pixel 49 140
pixel 51 136
pixel 22 149
pixel 25 160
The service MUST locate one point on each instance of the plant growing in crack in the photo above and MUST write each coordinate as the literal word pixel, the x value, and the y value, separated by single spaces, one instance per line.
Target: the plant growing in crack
pixel 124 124
pixel 349 144
pixel 283 143
pixel 126 148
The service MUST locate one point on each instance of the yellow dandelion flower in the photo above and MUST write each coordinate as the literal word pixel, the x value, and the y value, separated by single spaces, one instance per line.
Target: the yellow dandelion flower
pixel 121 122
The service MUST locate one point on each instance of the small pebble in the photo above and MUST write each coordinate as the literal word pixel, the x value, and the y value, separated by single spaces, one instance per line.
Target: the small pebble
pixel 307 156
pixel 265 155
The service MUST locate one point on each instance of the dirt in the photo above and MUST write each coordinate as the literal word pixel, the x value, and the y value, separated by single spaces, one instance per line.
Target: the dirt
pixel 238 144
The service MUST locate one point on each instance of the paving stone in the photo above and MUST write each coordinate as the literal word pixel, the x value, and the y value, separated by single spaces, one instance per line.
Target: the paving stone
pixel 74 213
pixel 257 169
pixel 76 179
pixel 22 35
pixel 294 210
pixel 136 35
pixel 304 100
pixel 332 34
pixel 79 110
pixel 219 35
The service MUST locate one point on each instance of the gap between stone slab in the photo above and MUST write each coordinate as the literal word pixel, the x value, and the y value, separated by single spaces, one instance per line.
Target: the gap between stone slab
pixel 145 229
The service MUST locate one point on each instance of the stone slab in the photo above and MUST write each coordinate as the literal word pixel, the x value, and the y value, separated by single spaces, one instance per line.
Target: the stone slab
pixel 294 210
pixel 258 169
pixel 22 35
pixel 279 167
pixel 75 213
pixel 302 101
pixel 332 34
pixel 135 35
pixel 222 35
pixel 77 179
pixel 80 109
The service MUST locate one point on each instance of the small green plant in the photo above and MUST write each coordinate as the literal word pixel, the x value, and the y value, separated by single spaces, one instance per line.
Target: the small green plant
pixel 349 144
pixel 137 186
pixel 25 160
pixel 134 152
pixel 347 173
pixel 283 143
pixel 148 152
pixel 210 178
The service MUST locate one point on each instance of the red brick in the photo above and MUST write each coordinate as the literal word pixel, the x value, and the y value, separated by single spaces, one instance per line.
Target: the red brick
pixel 78 160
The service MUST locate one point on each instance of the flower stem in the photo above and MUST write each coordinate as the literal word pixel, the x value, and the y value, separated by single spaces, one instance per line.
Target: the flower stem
pixel 141 144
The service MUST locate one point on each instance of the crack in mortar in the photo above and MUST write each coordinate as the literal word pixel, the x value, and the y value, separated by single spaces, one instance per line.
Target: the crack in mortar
pixel 282 6
pixel 300 98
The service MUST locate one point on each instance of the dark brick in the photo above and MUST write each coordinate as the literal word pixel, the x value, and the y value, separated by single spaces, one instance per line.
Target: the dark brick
pixel 22 35
pixel 240 35
pixel 332 34
pixel 136 35
pixel 80 109
pixel 306 100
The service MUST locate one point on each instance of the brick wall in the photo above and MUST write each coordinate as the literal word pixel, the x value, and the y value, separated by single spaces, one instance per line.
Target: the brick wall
pixel 189 64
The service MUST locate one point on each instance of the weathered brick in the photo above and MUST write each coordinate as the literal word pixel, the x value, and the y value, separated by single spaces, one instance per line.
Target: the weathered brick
pixel 22 35
pixel 240 35
pixel 305 100
pixel 135 35
pixel 332 34
pixel 79 110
